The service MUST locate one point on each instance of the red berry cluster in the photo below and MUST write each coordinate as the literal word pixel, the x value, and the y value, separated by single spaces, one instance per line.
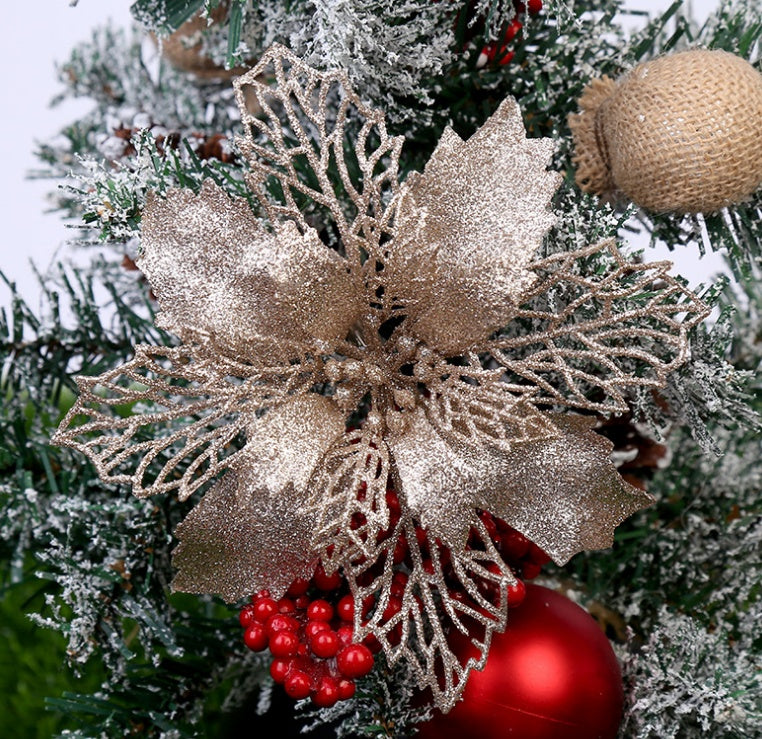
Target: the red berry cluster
pixel 498 52
pixel 524 557
pixel 310 639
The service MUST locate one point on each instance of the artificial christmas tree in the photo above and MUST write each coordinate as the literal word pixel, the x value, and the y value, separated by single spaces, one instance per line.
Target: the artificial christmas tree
pixel 388 352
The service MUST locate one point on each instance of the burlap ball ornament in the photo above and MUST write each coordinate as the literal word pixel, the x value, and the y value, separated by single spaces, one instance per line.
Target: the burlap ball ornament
pixel 183 49
pixel 680 133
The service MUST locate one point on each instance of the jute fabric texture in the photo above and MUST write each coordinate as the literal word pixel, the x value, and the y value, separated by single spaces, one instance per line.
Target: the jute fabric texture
pixel 680 133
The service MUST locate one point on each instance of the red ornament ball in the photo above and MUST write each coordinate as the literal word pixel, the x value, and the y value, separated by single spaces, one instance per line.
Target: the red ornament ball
pixel 551 675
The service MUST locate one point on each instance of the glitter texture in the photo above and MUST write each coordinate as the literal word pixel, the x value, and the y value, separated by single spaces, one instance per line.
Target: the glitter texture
pixel 315 377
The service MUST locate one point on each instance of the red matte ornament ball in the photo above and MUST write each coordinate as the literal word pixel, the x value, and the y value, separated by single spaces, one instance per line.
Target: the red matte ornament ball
pixel 551 675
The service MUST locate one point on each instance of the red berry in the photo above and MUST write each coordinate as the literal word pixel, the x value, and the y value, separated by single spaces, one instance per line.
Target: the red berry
pixel 513 29
pixel 367 604
pixel 284 644
pixel 372 643
pixel 400 550
pixel 514 545
pixel 320 610
pixel 397 589
pixel 298 587
pixel 345 608
pixel 393 607
pixel 315 627
pixel 400 577
pixel 279 669
pixel 302 650
pixel 280 622
pixel 263 608
pixel 534 6
pixel 422 539
pixel 327 693
pixel 327 582
pixel 530 570
pixel 298 685
pixel 356 660
pixel 325 644
pixel 246 616
pixel 515 594
pixel 457 595
pixel 302 602
pixel 260 594
pixel 487 520
pixel 346 689
pixel 255 637
pixel 537 555
pixel 357 522
pixel 393 503
pixel 346 633
pixel 286 605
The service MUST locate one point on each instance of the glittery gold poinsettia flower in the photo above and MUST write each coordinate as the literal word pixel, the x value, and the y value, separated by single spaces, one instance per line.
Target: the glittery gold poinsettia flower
pixel 419 343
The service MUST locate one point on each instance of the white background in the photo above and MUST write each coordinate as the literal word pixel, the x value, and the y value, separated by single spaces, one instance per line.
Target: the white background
pixel 27 84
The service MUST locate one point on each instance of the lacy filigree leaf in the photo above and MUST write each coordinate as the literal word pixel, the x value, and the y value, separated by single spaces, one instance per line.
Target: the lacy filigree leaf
pixel 611 325
pixel 412 616
pixel 315 119
pixel 167 420
pixel 348 496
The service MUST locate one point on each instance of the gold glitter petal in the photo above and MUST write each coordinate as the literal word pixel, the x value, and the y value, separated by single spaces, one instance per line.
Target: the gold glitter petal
pixel 564 494
pixel 467 228
pixel 252 530
pixel 215 269
pixel 236 542
pixel 441 481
